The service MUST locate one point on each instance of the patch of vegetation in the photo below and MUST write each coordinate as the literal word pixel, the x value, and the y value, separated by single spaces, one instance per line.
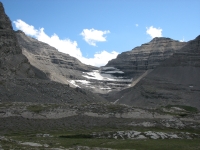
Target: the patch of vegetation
pixel 7 104
pixel 166 144
pixel 186 108
pixel 149 89
pixel 35 108
pixel 115 108
pixel 1 82
pixel 183 115
pixel 39 107
pixel 79 136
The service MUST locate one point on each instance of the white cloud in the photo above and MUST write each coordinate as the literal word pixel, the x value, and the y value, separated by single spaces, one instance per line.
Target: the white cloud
pixel 65 45
pixel 136 25
pixel 100 58
pixel 91 36
pixel 183 40
pixel 154 32
pixel 28 29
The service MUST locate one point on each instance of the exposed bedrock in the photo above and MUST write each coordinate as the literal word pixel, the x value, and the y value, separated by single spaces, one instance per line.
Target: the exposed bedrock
pixel 174 82
pixel 21 81
pixel 58 66
pixel 147 56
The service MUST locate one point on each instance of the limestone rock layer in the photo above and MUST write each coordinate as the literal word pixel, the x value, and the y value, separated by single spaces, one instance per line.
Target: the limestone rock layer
pixel 174 82
pixel 58 66
pixel 22 82
pixel 147 56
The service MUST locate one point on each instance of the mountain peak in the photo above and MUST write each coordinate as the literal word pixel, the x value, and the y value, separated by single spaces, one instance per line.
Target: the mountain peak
pixel 159 39
pixel 19 31
pixel 198 37
pixel 147 56
pixel 5 22
pixel 12 62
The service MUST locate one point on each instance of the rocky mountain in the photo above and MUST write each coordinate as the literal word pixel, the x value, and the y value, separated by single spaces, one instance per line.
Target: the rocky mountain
pixel 12 61
pixel 130 67
pixel 65 69
pixel 120 73
pixel 174 82
pixel 147 56
pixel 38 113
pixel 22 82
pixel 57 66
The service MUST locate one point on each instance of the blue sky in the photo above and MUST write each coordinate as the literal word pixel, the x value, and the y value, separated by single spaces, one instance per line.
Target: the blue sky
pixel 95 31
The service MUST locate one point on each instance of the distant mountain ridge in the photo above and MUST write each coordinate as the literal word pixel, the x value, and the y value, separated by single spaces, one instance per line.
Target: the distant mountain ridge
pixel 175 82
pixel 144 57
pixel 128 67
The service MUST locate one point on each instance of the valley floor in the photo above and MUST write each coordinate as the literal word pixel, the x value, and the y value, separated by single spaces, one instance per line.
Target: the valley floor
pixel 97 126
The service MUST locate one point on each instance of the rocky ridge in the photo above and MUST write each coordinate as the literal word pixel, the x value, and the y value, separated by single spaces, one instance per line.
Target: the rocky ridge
pixel 115 76
pixel 57 66
pixel 175 81
pixel 147 56
pixel 12 61
pixel 65 69
pixel 130 67
pixel 20 81
pixel 32 107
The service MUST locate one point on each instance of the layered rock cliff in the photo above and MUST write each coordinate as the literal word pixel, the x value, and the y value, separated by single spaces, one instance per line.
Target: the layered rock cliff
pixel 174 82
pixel 22 82
pixel 147 56
pixel 58 66
pixel 65 69
pixel 12 61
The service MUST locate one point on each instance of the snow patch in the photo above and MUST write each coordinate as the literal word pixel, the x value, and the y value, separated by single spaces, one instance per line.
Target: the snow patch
pixel 108 68
pixel 96 75
pixel 83 82
pixel 73 82
pixel 31 144
pixel 106 88
pixel 111 72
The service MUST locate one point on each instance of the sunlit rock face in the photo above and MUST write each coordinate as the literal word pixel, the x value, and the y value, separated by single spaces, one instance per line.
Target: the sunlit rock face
pixel 116 75
pixel 174 82
pixel 147 56
pixel 58 66
pixel 65 69
pixel 20 81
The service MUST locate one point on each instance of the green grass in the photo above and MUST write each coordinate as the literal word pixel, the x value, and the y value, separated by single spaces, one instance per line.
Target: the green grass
pixel 167 144
pixel 77 136
pixel 1 82
pixel 6 104
pixel 35 108
pixel 115 108
pixel 187 108
pixel 81 137
pixel 39 107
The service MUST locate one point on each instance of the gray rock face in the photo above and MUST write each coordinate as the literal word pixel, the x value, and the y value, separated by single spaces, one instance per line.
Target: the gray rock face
pixel 12 62
pixel 146 56
pixel 65 69
pixel 58 66
pixel 175 81
pixel 22 82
